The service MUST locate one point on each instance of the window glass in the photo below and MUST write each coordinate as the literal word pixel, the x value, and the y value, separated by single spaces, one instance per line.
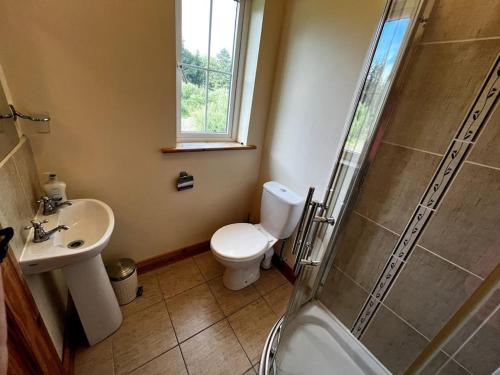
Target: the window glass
pixel 209 40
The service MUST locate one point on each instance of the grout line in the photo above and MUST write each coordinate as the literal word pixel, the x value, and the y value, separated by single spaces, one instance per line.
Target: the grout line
pixel 183 359
pixel 23 187
pixel 189 337
pixel 376 223
pixel 112 355
pixel 149 360
pixel 204 329
pixel 241 345
pixel 386 294
pixel 226 318
pixel 239 309
pixel 381 302
pixel 11 153
pixel 406 322
pixel 460 40
pixel 172 323
pixel 427 208
pixel 411 148
pixel 449 261
pixel 152 359
pixel 401 259
pixel 448 187
pixel 464 141
pixel 470 337
pixel 350 278
pixel 459 365
pixel 270 307
pixel 185 290
pixel 482 165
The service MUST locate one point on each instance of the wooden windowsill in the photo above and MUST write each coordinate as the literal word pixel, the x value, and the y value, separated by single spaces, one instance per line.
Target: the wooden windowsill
pixel 206 146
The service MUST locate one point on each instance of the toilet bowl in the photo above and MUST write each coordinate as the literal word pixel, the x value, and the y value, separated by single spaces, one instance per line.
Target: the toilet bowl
pixel 242 248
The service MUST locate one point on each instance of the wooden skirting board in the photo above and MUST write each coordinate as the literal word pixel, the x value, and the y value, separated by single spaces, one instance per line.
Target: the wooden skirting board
pixel 189 251
pixel 284 268
pixel 172 257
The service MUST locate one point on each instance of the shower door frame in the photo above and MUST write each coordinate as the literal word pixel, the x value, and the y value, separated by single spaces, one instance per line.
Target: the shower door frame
pixel 409 46
pixel 367 155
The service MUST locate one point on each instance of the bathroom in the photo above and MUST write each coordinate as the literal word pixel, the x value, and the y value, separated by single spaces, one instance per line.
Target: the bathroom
pixel 326 200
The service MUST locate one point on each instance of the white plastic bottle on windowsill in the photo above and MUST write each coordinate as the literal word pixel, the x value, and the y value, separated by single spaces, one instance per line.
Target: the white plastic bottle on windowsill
pixel 55 189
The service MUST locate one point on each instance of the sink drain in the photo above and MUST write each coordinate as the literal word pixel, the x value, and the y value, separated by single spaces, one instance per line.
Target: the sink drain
pixel 76 244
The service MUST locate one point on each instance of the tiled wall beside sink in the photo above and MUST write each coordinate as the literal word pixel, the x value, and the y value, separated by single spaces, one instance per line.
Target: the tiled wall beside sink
pixel 424 232
pixel 19 191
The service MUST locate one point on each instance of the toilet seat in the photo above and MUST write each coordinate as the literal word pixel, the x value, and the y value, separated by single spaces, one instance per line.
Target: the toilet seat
pixel 239 242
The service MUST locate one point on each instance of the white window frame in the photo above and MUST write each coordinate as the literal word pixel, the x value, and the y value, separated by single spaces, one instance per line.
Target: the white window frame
pixel 239 45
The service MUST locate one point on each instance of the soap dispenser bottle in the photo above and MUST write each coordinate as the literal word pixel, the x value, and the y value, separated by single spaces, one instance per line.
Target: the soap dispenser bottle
pixel 55 189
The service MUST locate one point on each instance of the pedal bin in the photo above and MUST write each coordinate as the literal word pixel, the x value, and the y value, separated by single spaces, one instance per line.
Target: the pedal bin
pixel 123 276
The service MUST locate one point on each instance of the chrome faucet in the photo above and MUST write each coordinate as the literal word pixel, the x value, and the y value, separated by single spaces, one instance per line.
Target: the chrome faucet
pixel 51 205
pixel 40 234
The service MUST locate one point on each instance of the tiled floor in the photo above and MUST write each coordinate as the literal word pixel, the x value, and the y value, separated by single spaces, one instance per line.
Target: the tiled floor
pixel 187 322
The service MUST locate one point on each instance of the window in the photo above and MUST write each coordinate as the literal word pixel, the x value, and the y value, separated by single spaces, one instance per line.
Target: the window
pixel 379 77
pixel 208 50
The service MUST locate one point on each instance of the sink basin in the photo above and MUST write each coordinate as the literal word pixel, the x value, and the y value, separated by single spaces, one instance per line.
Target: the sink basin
pixel 90 225
pixel 77 251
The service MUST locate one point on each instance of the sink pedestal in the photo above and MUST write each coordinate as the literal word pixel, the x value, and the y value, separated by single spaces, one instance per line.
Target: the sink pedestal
pixel 94 298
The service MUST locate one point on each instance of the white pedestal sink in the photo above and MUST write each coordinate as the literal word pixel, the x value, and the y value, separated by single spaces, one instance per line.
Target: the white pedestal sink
pixel 77 252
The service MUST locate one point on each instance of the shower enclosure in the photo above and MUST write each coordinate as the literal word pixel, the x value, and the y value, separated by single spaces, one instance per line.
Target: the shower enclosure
pixel 398 267
pixel 310 339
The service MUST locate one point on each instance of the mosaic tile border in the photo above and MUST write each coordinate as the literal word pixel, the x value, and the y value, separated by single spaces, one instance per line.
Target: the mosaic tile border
pixel 459 148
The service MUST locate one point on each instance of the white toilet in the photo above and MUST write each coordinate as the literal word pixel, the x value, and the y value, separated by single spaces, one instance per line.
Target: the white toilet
pixel 242 247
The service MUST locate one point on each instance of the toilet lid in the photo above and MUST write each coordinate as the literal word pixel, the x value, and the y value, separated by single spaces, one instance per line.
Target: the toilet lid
pixel 240 241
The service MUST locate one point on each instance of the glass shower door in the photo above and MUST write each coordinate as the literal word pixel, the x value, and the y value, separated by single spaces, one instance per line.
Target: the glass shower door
pixel 322 222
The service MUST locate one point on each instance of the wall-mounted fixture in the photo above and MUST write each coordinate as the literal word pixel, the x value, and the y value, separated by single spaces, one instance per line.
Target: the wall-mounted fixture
pixel 184 181
pixel 14 114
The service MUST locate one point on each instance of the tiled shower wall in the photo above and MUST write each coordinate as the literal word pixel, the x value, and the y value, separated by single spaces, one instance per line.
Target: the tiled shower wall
pixel 407 262
pixel 19 190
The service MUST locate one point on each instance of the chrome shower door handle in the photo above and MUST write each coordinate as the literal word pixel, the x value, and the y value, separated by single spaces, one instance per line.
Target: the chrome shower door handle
pixel 307 240
pixel 324 220
pixel 309 262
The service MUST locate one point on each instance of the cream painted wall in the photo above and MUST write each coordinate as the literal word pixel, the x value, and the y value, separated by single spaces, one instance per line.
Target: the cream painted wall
pixel 105 70
pixel 323 49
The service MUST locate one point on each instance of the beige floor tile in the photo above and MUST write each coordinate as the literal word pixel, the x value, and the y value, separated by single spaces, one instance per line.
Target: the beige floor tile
pixel 215 351
pixel 179 277
pixel 193 310
pixel 169 363
pixel 98 368
pixel 95 360
pixel 269 280
pixel 252 325
pixel 279 297
pixel 151 295
pixel 232 300
pixel 250 371
pixel 208 265
pixel 142 337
